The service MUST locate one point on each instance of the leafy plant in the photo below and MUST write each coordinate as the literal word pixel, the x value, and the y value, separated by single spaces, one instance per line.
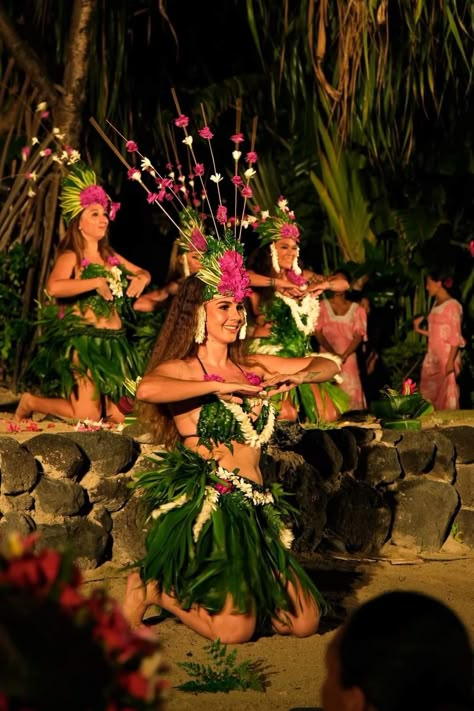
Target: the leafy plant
pixel 223 674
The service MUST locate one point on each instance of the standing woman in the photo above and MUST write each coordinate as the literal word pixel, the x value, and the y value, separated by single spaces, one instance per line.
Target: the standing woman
pixel 442 362
pixel 83 351
pixel 218 547
pixel 286 313
pixel 342 326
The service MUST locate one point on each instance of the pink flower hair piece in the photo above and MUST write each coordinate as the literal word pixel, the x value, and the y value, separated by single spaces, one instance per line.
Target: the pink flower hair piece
pixel 290 232
pixel 235 280
pixel 206 132
pixel 94 194
pixel 197 242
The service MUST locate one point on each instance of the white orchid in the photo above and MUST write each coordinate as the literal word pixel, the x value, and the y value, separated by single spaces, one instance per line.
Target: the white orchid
pixel 145 163
pixel 216 178
pixel 265 214
pixel 188 141
pixel 249 173
pixel 236 155
pixel 42 106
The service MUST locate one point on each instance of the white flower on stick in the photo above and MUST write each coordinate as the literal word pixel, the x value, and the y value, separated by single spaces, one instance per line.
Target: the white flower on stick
pixel 249 173
pixel 188 141
pixel 216 178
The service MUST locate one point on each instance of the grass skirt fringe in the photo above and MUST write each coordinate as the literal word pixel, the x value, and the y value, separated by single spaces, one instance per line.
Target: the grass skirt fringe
pixel 215 533
pixel 68 349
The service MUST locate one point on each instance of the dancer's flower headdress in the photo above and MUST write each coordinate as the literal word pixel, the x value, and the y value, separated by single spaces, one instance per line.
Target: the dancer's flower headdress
pixel 281 225
pixel 80 189
pixel 222 268
pixel 48 580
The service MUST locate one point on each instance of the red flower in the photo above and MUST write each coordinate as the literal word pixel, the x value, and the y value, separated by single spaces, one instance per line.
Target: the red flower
pixel 251 157
pixel 136 684
pixel 247 192
pixel 448 282
pixel 237 137
pixel 206 132
pixel 408 387
pixel 471 247
pixel 290 232
pixel 182 121
pixel 131 146
pixel 151 197
pixel 199 169
pixel 221 214
pixel 237 180
pixel 224 487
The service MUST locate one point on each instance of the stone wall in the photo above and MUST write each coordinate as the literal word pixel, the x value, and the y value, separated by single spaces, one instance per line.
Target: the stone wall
pixel 356 489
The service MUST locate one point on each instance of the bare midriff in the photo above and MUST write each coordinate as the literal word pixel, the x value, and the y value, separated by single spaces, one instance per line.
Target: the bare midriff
pixel 114 322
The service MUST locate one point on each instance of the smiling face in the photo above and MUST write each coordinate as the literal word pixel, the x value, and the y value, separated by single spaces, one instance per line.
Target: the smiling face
pixel 287 250
pixel 93 222
pixel 224 319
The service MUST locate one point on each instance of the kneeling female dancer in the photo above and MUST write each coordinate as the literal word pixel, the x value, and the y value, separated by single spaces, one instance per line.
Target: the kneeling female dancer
pixel 217 549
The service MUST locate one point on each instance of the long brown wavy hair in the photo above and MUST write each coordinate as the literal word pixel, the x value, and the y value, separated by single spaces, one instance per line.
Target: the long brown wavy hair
pixel 176 342
pixel 73 241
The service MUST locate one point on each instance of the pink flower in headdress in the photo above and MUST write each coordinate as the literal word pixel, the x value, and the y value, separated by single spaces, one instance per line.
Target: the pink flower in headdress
pixel 93 194
pixel 295 278
pixel 237 137
pixel 234 281
pixel 113 209
pixel 221 214
pixel 224 487
pixel 471 247
pixel 25 152
pixel 251 157
pixel 237 180
pixel 131 146
pixel 151 197
pixel 206 132
pixel 408 387
pixel 113 260
pixel 247 192
pixel 133 174
pixel 448 282
pixel 290 232
pixel 182 121
pixel 198 242
pixel 199 169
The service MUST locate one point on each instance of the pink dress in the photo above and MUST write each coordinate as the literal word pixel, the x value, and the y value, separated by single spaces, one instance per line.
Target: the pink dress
pixel 444 329
pixel 339 331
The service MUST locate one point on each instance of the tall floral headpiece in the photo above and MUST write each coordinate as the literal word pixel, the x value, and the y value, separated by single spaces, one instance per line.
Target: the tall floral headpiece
pixel 80 190
pixel 281 225
pixel 222 266
pixel 43 588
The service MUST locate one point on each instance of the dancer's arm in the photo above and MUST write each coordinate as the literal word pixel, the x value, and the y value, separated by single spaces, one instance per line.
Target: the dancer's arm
pixel 289 372
pixel 170 382
pixel 62 284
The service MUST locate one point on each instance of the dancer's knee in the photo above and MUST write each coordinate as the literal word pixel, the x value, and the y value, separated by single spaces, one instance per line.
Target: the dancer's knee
pixel 233 629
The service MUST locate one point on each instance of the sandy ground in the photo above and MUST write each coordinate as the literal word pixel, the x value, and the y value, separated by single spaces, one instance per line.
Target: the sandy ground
pixel 293 668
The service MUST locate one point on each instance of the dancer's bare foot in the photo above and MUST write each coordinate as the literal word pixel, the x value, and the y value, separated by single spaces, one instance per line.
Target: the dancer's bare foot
pixel 24 409
pixel 138 598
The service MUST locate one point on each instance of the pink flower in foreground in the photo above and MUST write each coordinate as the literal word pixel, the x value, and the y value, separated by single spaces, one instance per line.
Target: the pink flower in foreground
pixel 131 146
pixel 237 137
pixel 32 427
pixel 221 214
pixel 25 152
pixel 206 132
pixel 247 192
pixel 199 169
pixel 237 180
pixel 235 280
pixel 290 232
pixel 251 157
pixel 408 387
pixel 13 427
pixel 182 121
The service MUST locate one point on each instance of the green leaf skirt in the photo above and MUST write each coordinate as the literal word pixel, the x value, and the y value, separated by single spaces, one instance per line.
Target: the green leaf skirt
pixel 69 349
pixel 213 533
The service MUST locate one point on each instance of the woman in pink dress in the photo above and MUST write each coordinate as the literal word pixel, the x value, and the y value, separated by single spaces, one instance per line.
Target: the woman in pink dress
pixel 342 326
pixel 442 362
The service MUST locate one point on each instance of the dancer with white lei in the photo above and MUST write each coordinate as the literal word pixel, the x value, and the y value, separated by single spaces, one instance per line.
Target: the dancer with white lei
pixel 287 318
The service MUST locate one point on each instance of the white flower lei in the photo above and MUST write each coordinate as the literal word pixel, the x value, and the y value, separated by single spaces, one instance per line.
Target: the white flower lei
pixel 200 333
pixel 164 508
pixel 114 280
pixel 308 306
pixel 246 425
pixel 259 498
pixel 274 255
pixel 286 537
pixel 211 497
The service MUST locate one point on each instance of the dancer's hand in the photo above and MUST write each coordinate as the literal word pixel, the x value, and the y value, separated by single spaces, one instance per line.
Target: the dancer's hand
pixel 103 289
pixel 281 382
pixel 235 392
pixel 138 282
